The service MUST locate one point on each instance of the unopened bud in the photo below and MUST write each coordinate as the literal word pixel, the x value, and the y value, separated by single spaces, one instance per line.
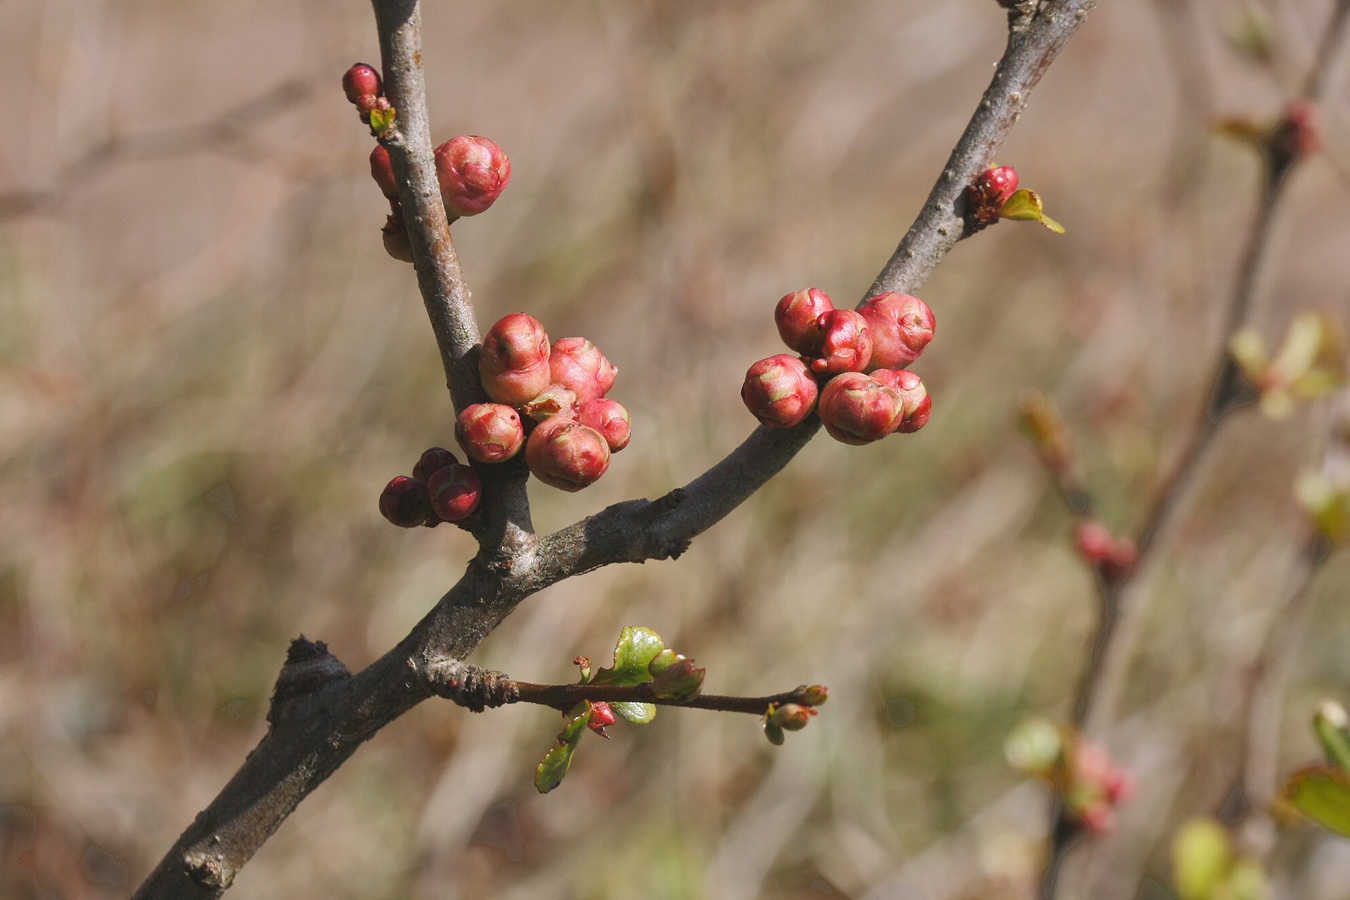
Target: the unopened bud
pixel 395 236
pixel 601 717
pixel 793 716
pixel 779 391
pixel 455 492
pixel 361 80
pixel 610 418
pixel 846 345
pixel 993 188
pixel 382 170
pixel 405 502
pixel 1111 556
pixel 814 695
pixel 565 454
pixel 680 681
pixel 472 172
pixel 432 461
pixel 490 432
pixel 857 409
pixel 514 362
pixel 918 404
pixel 579 365
pixel 901 327
pixel 798 316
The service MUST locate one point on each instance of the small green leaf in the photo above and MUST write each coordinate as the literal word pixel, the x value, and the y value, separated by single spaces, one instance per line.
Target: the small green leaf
pixel 1330 724
pixel 1202 859
pixel 637 713
pixel 662 661
pixel 381 120
pixel 636 648
pixel 553 767
pixel 1322 793
pixel 1025 205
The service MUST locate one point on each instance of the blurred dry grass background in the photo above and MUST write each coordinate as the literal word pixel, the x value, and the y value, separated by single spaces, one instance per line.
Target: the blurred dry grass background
pixel 209 368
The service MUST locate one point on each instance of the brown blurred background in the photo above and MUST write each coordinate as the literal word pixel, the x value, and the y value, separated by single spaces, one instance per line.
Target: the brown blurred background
pixel 209 368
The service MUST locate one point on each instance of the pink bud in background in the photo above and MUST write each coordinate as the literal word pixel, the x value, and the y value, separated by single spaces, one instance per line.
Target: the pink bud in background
pixel 779 391
pixel 405 502
pixel 432 461
pixel 847 344
pixel 609 418
pixel 382 170
pixel 565 454
pixel 361 80
pixel 514 361
pixel 901 327
pixel 1111 556
pixel 857 409
pixel 456 492
pixel 914 395
pixel 579 365
pixel 490 432
pixel 797 317
pixel 472 172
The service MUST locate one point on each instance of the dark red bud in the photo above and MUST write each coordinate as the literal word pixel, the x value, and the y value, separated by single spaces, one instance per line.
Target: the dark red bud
pixel 514 362
pixel 455 492
pixel 395 236
pixel 797 317
pixel 847 344
pixel 472 172
pixel 565 454
pixel 990 191
pixel 432 461
pixel 382 170
pixel 779 391
pixel 857 409
pixel 405 502
pixel 914 395
pixel 901 327
pixel 361 80
pixel 601 718
pixel 579 364
pixel 490 432
pixel 610 418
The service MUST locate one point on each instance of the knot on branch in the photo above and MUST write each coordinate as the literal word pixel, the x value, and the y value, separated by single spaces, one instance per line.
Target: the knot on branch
pixel 309 667
pixel 470 686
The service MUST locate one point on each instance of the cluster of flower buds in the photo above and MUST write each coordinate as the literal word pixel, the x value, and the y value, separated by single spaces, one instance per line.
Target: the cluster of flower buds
pixel 363 87
pixel 547 399
pixel 850 367
pixel 781 718
pixel 1091 784
pixel 440 489
pixel 1112 556
pixel 995 195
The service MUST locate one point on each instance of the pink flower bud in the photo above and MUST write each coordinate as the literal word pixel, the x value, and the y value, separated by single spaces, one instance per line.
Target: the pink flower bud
pixel 609 418
pixel 382 170
pixel 857 409
pixel 490 432
pixel 681 681
pixel 514 363
pixel 579 364
pixel 901 327
pixel 797 317
pixel 601 718
pixel 432 461
pixel 455 492
pixel 779 391
pixel 910 387
pixel 405 502
pixel 554 400
pixel 565 454
pixel 815 695
pixel 361 80
pixel 472 172
pixel 1111 556
pixel 990 191
pixel 792 716
pixel 847 346
pixel 395 237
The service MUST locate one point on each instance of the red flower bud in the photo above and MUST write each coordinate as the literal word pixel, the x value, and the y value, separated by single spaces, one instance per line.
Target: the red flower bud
pixel 798 316
pixel 455 492
pixel 472 172
pixel 432 461
pixel 554 400
pixel 779 391
pixel 361 80
pixel 910 387
pixel 1111 556
pixel 901 327
pixel 395 235
pixel 857 409
pixel 847 346
pixel 609 418
pixel 405 502
pixel 514 359
pixel 565 454
pixel 382 170
pixel 990 191
pixel 490 432
pixel 792 716
pixel 601 718
pixel 578 364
